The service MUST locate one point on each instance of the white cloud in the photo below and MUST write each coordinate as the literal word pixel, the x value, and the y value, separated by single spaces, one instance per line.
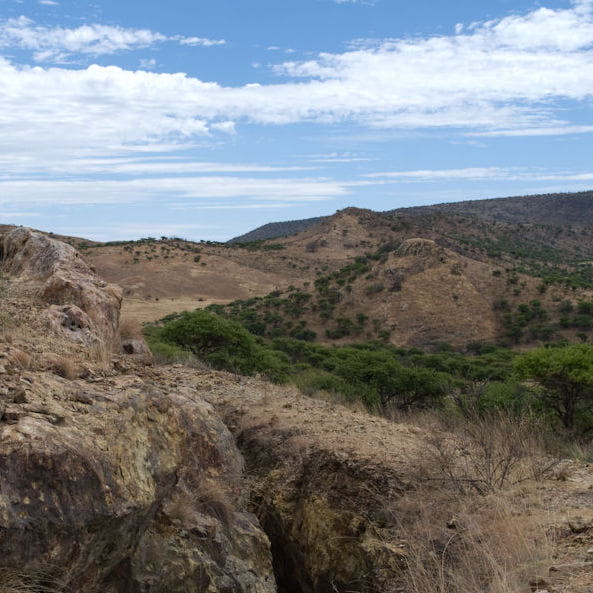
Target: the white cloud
pixel 49 3
pixel 504 77
pixel 482 173
pixel 8 215
pixel 543 131
pixel 126 166
pixel 438 174
pixel 56 44
pixel 147 63
pixel 278 190
pixel 195 41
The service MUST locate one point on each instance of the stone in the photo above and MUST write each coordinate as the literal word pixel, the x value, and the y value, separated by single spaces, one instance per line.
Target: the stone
pixel 67 278
pixel 71 322
pixel 125 498
pixel 20 396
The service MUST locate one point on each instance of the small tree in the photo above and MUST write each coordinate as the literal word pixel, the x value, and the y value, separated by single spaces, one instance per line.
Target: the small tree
pixel 566 377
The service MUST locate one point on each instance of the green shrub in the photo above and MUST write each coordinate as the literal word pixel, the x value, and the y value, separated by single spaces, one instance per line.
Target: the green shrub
pixel 222 343
pixel 565 376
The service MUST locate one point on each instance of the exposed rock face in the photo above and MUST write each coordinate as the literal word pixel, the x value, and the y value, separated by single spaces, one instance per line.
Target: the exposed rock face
pixel 108 483
pixel 70 321
pixel 122 488
pixel 418 246
pixel 326 481
pixel 66 278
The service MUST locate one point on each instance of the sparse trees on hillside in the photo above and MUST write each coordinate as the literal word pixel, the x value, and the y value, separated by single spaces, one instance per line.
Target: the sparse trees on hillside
pixel 565 376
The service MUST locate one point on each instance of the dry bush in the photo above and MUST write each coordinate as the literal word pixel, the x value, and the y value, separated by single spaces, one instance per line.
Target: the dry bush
pixel 21 359
pixel 65 367
pixel 22 581
pixel 460 531
pixel 484 454
pixel 130 329
pixel 472 547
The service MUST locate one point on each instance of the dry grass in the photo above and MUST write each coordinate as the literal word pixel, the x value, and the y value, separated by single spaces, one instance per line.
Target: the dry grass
pixel 21 359
pixel 130 329
pixel 7 326
pixel 16 581
pixel 65 367
pixel 101 354
pixel 210 498
pixel 472 547
pixel 214 500
pixel 356 405
pixel 462 532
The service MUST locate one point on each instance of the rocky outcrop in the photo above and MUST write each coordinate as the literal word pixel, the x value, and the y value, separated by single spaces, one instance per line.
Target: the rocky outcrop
pixel 326 482
pixel 65 280
pixel 109 483
pixel 119 487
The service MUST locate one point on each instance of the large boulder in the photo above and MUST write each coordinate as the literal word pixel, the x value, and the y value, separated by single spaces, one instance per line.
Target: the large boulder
pixel 122 488
pixel 64 279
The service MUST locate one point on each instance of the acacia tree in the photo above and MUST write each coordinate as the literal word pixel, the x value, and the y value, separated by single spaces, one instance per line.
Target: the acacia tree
pixel 566 378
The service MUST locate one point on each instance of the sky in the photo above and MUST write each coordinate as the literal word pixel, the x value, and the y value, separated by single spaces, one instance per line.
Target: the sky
pixel 205 119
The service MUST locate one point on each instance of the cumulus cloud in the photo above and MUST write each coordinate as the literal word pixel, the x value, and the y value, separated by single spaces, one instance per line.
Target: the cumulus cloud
pixel 512 76
pixel 55 44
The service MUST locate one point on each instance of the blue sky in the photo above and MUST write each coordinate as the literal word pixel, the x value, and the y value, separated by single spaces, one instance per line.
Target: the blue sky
pixel 206 119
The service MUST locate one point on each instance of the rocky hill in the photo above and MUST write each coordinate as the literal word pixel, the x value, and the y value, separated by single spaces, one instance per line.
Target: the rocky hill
pixel 451 274
pixel 561 209
pixel 119 476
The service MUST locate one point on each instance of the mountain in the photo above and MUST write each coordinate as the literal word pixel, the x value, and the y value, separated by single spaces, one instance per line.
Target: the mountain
pixel 447 274
pixel 553 209
pixel 273 230
pixel 560 209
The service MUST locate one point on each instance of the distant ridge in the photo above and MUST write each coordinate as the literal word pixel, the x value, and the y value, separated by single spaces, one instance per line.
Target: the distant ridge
pixel 553 209
pixel 274 230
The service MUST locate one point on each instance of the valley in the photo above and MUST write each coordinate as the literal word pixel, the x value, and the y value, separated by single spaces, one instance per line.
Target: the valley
pixel 363 406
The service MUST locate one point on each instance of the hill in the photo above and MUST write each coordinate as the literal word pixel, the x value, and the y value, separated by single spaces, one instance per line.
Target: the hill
pixel 451 274
pixel 560 209
pixel 121 475
pixel 274 230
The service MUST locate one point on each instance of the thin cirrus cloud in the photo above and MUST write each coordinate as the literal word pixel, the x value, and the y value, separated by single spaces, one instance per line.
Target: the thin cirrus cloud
pixel 481 173
pixel 135 230
pixel 107 191
pixel 56 44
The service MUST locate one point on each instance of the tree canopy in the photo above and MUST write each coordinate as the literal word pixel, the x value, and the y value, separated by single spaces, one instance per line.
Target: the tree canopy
pixel 565 375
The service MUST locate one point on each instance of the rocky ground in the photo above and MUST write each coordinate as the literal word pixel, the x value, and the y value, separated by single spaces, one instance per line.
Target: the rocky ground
pixel 118 476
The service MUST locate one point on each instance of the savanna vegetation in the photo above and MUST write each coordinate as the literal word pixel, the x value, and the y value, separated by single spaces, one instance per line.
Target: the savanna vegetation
pixel 554 383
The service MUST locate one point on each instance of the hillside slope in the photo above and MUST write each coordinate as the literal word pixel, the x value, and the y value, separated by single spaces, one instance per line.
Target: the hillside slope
pixel 561 209
pixel 119 476
pixel 273 230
